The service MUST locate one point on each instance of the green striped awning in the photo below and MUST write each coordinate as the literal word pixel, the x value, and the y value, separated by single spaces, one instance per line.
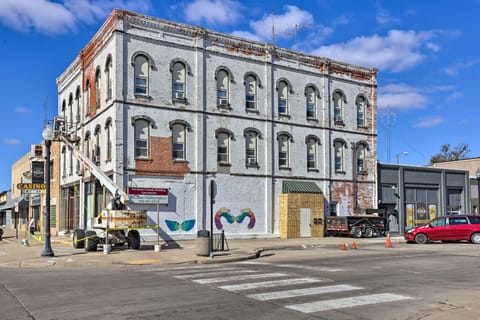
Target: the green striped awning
pixel 300 187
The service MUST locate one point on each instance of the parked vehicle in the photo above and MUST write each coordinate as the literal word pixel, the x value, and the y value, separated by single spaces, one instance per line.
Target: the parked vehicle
pixel 358 226
pixel 447 228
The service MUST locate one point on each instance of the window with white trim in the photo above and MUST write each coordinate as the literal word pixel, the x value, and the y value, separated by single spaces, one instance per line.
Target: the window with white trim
pixel 282 98
pixel 77 104
pixel 338 107
pixel 311 154
pixel 97 89
pixel 97 148
pixel 87 99
pixel 178 142
pixel 141 75
pixel 283 151
pixel 223 147
pixel 361 106
pixel 361 164
pixel 178 81
pixel 108 132
pixel 311 102
pixel 250 93
pixel 251 148
pixel 142 138
pixel 223 83
pixel 108 76
pixel 339 156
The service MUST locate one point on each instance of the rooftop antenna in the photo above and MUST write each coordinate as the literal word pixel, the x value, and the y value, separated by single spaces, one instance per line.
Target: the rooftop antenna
pixel 296 28
pixel 389 120
pixel 273 26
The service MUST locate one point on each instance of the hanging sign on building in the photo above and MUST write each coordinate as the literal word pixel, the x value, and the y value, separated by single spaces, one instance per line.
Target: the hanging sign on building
pixel 38 170
pixel 148 195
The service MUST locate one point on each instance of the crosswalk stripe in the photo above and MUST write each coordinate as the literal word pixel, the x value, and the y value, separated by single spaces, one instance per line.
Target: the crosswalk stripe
pixel 332 304
pixel 302 292
pixel 240 277
pixel 295 266
pixel 206 271
pixel 269 284
pixel 212 274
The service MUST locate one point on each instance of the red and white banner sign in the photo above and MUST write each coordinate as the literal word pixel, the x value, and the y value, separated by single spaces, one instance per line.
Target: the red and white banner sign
pixel 148 195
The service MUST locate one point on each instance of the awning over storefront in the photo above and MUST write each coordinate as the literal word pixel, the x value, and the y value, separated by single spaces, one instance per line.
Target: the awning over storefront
pixel 300 187
pixel 11 203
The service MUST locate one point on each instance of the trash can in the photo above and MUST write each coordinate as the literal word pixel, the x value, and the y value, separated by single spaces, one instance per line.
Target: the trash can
pixel 202 243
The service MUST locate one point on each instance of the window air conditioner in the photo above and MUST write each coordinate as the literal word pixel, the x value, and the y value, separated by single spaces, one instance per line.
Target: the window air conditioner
pixel 251 161
pixel 179 95
pixel 223 102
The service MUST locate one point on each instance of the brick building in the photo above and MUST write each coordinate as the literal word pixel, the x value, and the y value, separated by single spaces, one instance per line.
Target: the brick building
pixel 167 108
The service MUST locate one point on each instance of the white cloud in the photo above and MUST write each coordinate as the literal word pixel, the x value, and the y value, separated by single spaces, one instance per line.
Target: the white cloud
pixel 400 97
pixel 397 51
pixel 53 17
pixel 246 35
pixel 456 95
pixel 213 12
pixel 429 122
pixel 22 110
pixel 285 24
pixel 384 18
pixel 12 141
pixel 456 68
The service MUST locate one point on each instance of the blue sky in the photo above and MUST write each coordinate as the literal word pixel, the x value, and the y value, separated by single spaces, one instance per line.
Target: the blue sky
pixel 427 53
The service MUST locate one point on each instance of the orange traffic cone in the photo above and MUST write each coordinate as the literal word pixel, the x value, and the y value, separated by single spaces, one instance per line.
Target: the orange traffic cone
pixel 388 244
pixel 344 246
pixel 354 245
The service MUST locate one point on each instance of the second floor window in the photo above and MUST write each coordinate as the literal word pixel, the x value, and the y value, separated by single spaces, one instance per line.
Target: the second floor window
pixel 361 164
pixel 251 148
pixel 97 89
pixel 178 81
pixel 178 142
pixel 108 75
pixel 223 140
pixel 87 99
pixel 339 155
pixel 311 154
pixel 108 132
pixel 141 75
pixel 283 151
pixel 338 107
pixel 142 137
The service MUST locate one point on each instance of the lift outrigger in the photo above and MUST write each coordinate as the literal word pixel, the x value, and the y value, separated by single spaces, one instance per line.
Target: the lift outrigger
pixel 116 225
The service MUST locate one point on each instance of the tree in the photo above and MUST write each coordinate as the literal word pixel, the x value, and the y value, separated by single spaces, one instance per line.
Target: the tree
pixel 450 154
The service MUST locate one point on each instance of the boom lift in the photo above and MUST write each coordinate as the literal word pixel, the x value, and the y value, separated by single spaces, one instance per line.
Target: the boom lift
pixel 115 225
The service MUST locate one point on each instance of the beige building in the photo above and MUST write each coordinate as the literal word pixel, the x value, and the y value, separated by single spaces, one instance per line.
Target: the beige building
pixel 472 165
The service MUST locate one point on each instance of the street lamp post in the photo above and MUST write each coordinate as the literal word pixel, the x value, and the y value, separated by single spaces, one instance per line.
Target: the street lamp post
pixel 47 135
pixel 405 153
pixel 478 190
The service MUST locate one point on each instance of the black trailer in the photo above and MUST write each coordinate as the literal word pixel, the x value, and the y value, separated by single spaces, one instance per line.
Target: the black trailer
pixel 358 226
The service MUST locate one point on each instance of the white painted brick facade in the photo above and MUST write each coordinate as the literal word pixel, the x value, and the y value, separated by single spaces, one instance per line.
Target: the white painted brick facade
pixel 257 189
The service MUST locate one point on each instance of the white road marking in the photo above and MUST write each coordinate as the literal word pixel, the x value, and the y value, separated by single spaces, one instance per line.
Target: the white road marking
pixel 213 273
pixel 240 277
pixel 182 268
pixel 269 284
pixel 296 266
pixel 302 292
pixel 346 302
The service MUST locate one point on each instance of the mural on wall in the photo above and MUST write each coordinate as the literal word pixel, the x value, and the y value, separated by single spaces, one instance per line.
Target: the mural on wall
pixel 225 213
pixel 186 225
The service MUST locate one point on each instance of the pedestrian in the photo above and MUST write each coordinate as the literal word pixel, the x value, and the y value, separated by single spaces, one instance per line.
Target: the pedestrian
pixel 31 226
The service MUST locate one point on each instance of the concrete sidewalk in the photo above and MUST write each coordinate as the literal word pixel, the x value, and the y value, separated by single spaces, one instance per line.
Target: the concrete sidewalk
pixel 14 254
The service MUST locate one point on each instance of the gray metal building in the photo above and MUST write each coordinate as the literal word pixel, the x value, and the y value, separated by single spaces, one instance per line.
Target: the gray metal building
pixel 413 195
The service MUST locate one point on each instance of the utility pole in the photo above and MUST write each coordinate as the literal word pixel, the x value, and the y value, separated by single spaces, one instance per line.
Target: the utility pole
pixel 389 120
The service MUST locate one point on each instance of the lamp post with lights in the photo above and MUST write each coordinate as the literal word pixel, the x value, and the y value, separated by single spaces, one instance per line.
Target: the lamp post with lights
pixel 48 136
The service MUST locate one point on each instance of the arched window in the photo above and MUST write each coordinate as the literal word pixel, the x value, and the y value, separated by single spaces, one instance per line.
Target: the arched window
pixel 223 147
pixel 361 107
pixel 77 104
pixel 338 101
pixel 87 99
pixel 283 150
pixel 282 98
pixel 64 109
pixel 223 85
pixel 142 138
pixel 108 133
pixel 141 67
pixel 312 152
pixel 251 138
pixel 86 145
pixel 98 93
pixel 178 141
pixel 361 158
pixel 250 93
pixel 69 121
pixel 178 81
pixel 339 146
pixel 311 102
pixel 97 149
pixel 64 160
pixel 108 76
